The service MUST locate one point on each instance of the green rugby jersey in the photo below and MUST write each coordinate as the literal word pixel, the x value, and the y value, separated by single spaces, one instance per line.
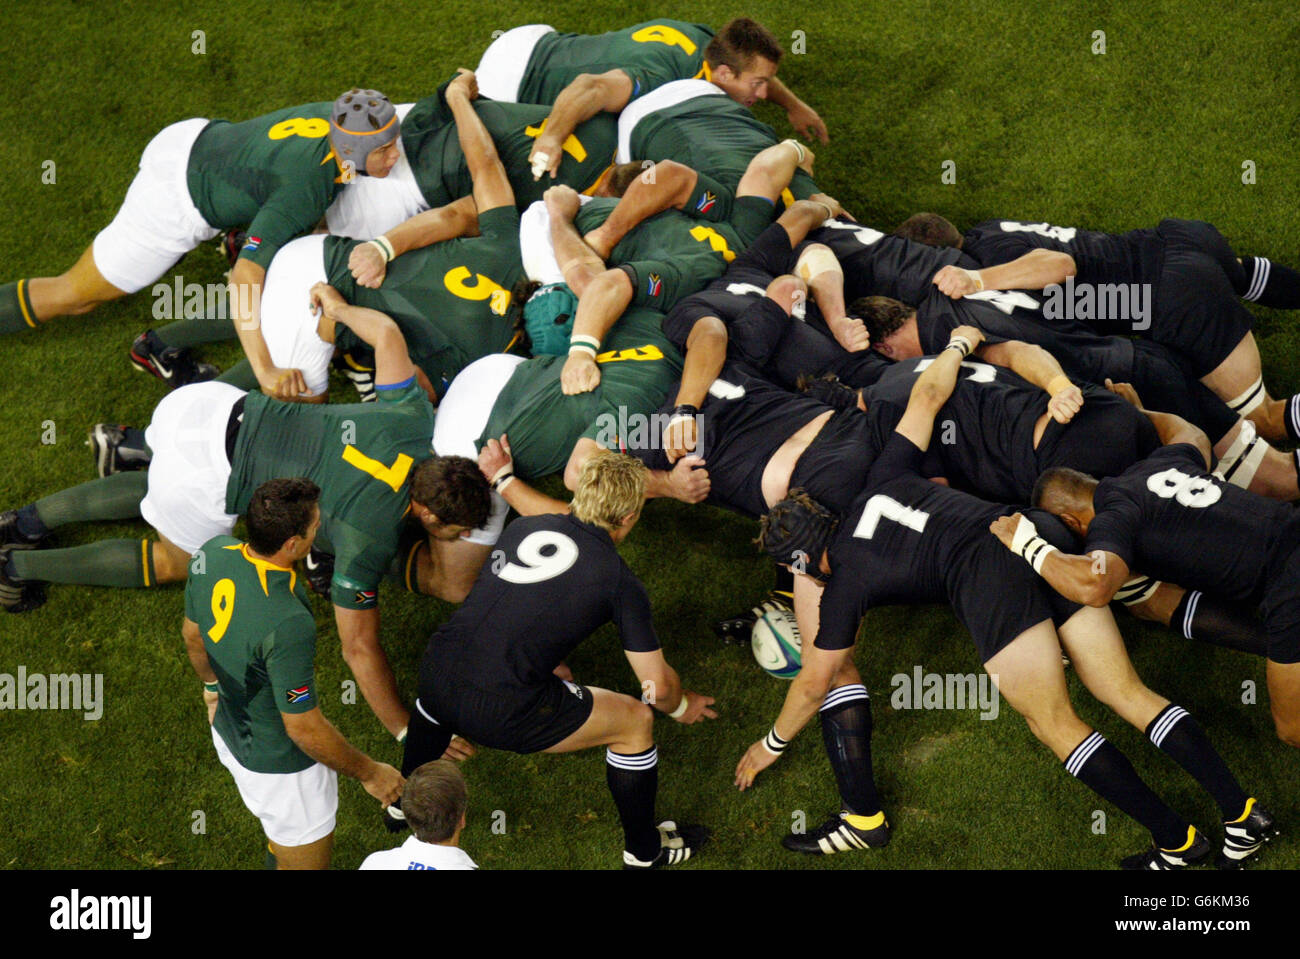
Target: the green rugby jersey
pixel 651 54
pixel 361 456
pixel 275 173
pixel 713 135
pixel 673 255
pixel 638 365
pixel 260 638
pixel 450 299
pixel 438 163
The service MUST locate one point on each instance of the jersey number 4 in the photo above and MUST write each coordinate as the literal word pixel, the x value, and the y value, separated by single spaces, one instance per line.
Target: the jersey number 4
pixel 534 566
pixel 881 507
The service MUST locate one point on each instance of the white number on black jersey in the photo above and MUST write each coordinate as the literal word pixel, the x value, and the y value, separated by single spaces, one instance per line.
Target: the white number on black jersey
pixel 745 289
pixel 979 372
pixel 864 234
pixel 1195 492
pixel 536 567
pixel 1064 234
pixel 1005 300
pixel 881 507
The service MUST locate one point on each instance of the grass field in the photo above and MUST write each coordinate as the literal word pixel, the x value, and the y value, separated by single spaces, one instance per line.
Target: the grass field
pixel 1039 127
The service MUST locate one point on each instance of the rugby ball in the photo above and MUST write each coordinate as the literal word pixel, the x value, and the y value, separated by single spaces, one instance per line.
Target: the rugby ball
pixel 776 643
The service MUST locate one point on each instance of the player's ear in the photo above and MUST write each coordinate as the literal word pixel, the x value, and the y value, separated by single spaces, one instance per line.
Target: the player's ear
pixel 883 348
pixel 1073 524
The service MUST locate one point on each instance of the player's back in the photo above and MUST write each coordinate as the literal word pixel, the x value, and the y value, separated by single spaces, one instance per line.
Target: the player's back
pixel 880 264
pixel 551 581
pixel 651 54
pixel 1132 257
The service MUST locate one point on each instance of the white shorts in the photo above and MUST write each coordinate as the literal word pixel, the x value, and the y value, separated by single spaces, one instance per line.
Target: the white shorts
pixel 186 501
pixel 369 207
pixel 668 95
pixel 501 69
pixel 536 251
pixel 462 415
pixel 295 808
pixel 288 323
pixel 158 222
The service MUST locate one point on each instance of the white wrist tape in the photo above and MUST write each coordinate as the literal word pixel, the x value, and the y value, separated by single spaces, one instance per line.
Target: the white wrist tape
pixel 540 162
pixel 1032 547
pixel 960 343
pixel 773 743
pixel 798 148
pixel 684 705
pixel 401 737
pixel 384 247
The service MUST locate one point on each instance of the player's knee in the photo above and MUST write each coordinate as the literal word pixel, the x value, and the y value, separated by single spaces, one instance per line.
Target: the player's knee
pixel 787 290
pixel 1288 729
pixel 640 726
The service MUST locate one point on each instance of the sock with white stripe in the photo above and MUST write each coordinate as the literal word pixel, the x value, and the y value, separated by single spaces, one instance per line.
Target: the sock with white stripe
pixel 1211 620
pixel 1180 736
pixel 1291 419
pixel 633 781
pixel 1270 284
pixel 1100 766
pixel 846 731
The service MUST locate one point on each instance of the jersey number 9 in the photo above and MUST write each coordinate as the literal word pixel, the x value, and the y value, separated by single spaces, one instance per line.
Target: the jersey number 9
pixel 223 607
pixel 533 565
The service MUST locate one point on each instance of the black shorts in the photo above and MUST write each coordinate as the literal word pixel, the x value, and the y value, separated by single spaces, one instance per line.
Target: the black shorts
pixel 1196 310
pixel 1106 437
pixel 996 595
pixel 1281 610
pixel 521 719
pixel 1165 382
pixel 834 466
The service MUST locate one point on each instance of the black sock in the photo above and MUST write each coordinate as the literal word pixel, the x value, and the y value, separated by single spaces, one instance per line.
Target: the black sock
pixel 425 741
pixel 846 731
pixel 1178 734
pixel 1100 766
pixel 784 582
pixel 633 781
pixel 1211 620
pixel 1270 284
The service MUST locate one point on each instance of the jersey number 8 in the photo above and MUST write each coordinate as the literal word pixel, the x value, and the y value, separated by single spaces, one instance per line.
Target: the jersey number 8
pixel 1195 492
pixel 533 566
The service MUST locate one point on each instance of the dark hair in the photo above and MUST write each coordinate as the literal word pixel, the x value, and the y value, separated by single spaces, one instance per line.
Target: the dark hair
pixel 829 389
pixel 453 489
pixel 882 315
pixel 434 800
pixel 739 42
pixel 622 175
pixel 1060 488
pixel 797 530
pixel 930 229
pixel 279 509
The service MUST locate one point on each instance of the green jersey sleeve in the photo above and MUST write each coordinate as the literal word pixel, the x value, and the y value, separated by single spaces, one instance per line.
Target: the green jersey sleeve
pixel 290 655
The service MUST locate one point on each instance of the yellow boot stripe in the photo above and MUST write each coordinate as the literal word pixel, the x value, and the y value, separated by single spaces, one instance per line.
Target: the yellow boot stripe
pixel 1191 838
pixel 1250 804
pixel 864 822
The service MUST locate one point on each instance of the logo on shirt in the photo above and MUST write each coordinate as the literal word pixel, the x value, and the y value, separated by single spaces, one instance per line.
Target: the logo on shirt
pixel 252 243
pixel 573 688
pixel 654 285
pixel 367 597
pixel 299 695
pixel 706 202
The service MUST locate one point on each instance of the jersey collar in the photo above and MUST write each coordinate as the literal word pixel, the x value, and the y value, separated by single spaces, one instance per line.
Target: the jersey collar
pixel 262 566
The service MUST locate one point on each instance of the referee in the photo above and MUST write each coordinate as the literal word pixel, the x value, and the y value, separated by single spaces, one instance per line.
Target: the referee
pixel 251 637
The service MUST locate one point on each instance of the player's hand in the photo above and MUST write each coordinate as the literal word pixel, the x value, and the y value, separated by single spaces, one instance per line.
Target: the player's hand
pixel 465 83
pixel 548 150
pixel 1004 528
pixel 1065 402
pixel 494 458
pixel 580 374
pixel 384 783
pixel 368 265
pixel 806 122
pixel 564 672
pixel 697 708
pixel 458 750
pixel 210 700
pixel 688 481
pixel 680 438
pixel 1125 391
pixel 851 333
pixel 957 282
pixel 756 759
pixel 562 202
pixel 831 203
pixel 972 333
pixel 287 385
pixel 327 299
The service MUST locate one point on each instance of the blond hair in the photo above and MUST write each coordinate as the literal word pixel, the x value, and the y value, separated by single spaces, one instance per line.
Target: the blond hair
pixel 610 487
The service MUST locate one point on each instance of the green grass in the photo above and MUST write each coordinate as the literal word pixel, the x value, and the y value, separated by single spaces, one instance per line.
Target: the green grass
pixel 1038 127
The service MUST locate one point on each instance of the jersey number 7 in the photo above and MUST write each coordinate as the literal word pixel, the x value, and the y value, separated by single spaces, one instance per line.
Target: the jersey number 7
pixel 881 507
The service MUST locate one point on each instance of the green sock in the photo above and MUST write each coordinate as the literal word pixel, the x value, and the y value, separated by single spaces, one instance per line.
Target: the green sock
pixel 124 563
pixel 16 313
pixel 113 497
pixel 240 375
pixel 184 333
pixel 270 861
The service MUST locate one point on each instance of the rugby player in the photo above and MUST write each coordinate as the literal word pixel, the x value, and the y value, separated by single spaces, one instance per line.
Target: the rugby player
pixel 488 673
pixel 908 540
pixel 585 75
pixel 434 801
pixel 275 174
pixel 251 638
pixel 1169 518
pixel 1193 280
pixel 214 445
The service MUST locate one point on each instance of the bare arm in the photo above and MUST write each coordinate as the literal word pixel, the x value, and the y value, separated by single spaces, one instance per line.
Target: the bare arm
pixel 771 169
pixel 932 389
pixel 1170 428
pixel 1039 367
pixel 197 654
pixel 1033 271
pixel 1090 580
pixel 245 293
pixel 316 736
pixel 359 634
pixel 392 362
pixel 491 186
pixel 802 117
pixel 662 186
pixel 587 95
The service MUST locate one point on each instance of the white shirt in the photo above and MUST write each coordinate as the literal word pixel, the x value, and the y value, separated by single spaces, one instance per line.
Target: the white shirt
pixel 414 854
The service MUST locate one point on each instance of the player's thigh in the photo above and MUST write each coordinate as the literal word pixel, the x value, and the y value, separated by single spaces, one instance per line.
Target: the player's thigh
pixel 1029 676
pixel 1238 371
pixel 1284 700
pixel 1096 649
pixel 313 855
pixel 615 719
pixel 170 562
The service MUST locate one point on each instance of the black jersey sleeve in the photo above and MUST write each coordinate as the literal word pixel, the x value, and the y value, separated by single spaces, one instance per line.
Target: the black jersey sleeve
pixel 900 457
pixel 632 614
pixel 770 253
pixel 1115 526
pixel 758 332
pixel 842 606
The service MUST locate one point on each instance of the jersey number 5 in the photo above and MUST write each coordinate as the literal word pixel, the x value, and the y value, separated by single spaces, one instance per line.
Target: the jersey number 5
pixel 533 565
pixel 881 507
